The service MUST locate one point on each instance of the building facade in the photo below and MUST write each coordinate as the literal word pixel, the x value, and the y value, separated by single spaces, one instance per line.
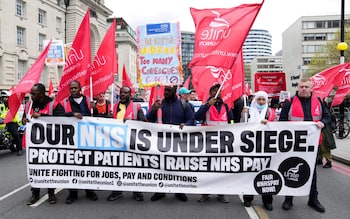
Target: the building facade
pixel 24 25
pixel 257 43
pixel 187 50
pixel 126 50
pixel 302 40
pixel 265 64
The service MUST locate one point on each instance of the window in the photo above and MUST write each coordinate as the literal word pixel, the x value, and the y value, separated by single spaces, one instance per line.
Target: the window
pixel 320 24
pixel 20 36
pixel 334 24
pixel 42 17
pixel 20 8
pixel 21 69
pixel 330 36
pixel 93 13
pixel 58 23
pixel 306 61
pixel 41 41
pixel 312 48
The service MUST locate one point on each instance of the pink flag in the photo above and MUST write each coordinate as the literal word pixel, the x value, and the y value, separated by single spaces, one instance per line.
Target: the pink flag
pixel 78 62
pixel 126 81
pixel 50 88
pixel 233 86
pixel 187 83
pixel 220 34
pixel 31 77
pixel 103 66
pixel 324 82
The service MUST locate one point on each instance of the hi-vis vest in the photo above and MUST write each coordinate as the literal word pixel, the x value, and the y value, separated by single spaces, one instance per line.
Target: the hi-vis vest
pixel 213 117
pixel 48 110
pixel 130 111
pixel 68 107
pixel 3 113
pixel 271 114
pixel 296 111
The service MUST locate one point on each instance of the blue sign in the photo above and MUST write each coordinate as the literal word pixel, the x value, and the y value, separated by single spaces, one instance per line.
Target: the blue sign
pixel 158 28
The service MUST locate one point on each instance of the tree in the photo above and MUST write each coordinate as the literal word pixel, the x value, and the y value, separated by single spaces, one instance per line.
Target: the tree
pixel 328 55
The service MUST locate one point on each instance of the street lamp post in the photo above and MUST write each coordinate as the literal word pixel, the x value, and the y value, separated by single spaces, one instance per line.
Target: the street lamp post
pixel 342 46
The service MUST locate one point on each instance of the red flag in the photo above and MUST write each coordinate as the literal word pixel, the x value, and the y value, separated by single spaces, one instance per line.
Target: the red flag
pixel 126 81
pixel 220 34
pixel 50 92
pixel 115 64
pixel 31 77
pixel 247 89
pixel 157 93
pixel 102 68
pixel 324 82
pixel 78 61
pixel 187 83
pixel 205 77
pixel 342 80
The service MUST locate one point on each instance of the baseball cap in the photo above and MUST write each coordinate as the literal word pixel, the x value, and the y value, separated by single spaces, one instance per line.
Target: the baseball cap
pixel 184 90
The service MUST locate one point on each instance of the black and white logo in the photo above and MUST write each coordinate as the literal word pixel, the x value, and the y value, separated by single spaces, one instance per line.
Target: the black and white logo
pixel 268 182
pixel 295 171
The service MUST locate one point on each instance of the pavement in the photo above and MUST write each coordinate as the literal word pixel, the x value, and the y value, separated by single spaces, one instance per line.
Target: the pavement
pixel 342 152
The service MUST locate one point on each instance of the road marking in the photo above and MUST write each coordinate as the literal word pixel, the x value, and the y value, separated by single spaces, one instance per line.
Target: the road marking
pixel 44 198
pixel 253 214
pixel 14 191
pixel 341 169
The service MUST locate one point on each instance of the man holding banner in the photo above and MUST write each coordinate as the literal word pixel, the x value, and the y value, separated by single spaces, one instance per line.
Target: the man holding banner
pixel 173 112
pixel 41 105
pixel 214 112
pixel 78 106
pixel 126 109
pixel 306 107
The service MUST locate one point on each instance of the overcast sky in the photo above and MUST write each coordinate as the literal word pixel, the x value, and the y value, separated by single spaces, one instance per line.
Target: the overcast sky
pixel 275 16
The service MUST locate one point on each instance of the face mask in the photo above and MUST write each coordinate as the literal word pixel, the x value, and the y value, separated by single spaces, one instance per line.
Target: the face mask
pixel 260 107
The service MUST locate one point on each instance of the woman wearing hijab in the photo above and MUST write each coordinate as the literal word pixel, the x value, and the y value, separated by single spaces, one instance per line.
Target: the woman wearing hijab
pixel 259 111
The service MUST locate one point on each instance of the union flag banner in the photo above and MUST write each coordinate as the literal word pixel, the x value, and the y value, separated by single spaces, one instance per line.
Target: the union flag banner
pixel 50 91
pixel 78 62
pixel 102 68
pixel 342 80
pixel 220 34
pixel 126 81
pixel 324 82
pixel 158 54
pixel 203 77
pixel 31 77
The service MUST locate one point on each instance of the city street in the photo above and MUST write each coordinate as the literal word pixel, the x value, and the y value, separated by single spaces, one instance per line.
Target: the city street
pixel 15 191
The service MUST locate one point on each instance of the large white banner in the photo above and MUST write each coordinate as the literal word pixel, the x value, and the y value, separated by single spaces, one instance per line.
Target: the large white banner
pixel 107 154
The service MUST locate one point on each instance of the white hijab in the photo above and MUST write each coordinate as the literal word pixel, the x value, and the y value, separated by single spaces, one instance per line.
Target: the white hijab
pixel 255 114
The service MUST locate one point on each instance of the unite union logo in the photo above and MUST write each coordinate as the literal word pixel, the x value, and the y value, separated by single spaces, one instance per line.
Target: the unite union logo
pixel 292 173
pixel 295 171
pixel 217 30
pixel 318 81
pixel 220 74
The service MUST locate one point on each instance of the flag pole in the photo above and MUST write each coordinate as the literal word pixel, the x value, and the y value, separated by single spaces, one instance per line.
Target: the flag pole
pixel 112 99
pixel 159 111
pixel 222 84
pixel 91 97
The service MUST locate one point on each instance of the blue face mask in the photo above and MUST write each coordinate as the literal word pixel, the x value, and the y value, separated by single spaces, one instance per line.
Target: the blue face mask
pixel 260 107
